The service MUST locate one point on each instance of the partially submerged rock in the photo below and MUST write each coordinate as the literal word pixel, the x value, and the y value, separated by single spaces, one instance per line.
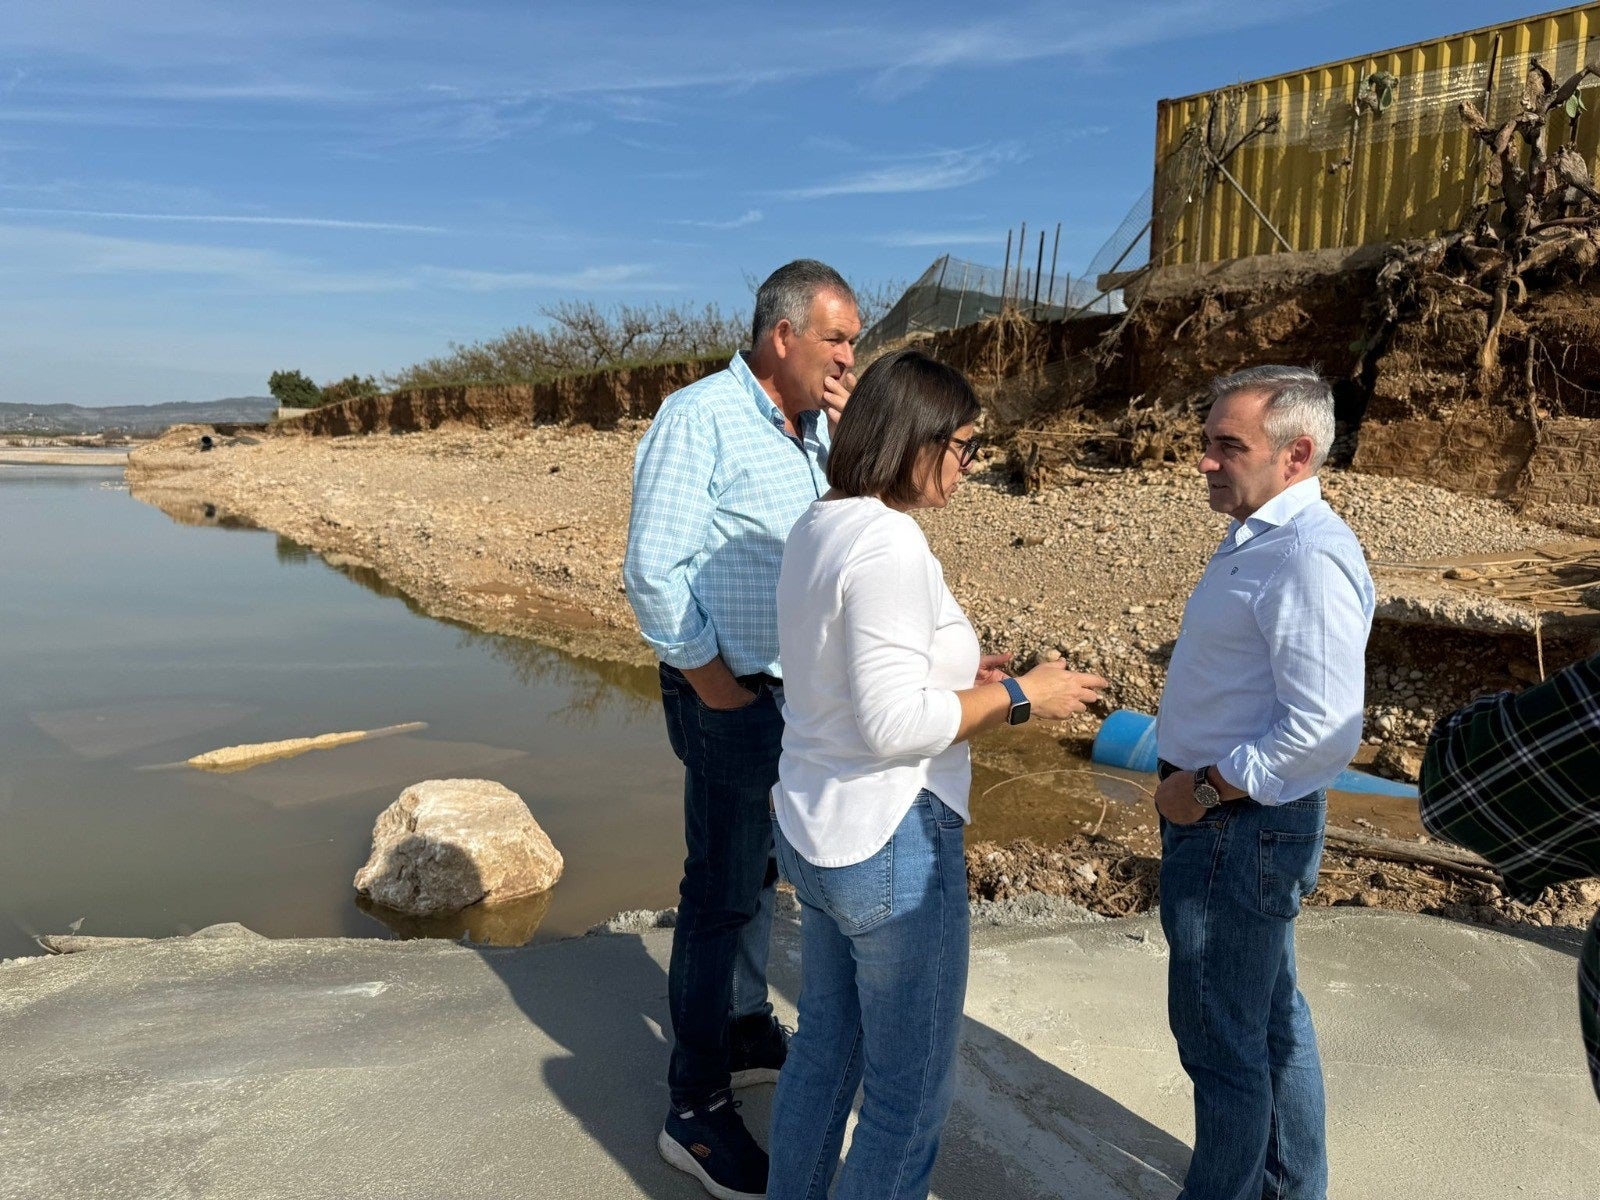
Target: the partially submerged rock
pixel 238 758
pixel 80 943
pixel 449 843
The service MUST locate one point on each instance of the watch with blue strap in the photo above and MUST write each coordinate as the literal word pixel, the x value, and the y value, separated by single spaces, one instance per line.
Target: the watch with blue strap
pixel 1021 706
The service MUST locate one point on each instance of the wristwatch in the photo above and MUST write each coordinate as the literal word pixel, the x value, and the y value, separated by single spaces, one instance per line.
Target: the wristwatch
pixel 1205 795
pixel 1021 706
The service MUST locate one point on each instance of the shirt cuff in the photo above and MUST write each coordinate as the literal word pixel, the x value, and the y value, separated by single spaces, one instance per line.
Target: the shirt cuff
pixel 687 655
pixel 1244 769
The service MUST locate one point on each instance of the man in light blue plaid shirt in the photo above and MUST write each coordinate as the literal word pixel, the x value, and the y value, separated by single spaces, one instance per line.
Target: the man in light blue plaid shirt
pixel 728 466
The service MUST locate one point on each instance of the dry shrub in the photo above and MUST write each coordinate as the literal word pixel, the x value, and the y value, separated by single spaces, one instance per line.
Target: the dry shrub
pixel 1143 433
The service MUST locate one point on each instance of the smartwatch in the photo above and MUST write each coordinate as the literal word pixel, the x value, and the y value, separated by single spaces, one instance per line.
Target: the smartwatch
pixel 1205 795
pixel 1021 706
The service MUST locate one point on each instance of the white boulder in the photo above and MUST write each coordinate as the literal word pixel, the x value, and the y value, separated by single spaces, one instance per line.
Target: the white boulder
pixel 446 844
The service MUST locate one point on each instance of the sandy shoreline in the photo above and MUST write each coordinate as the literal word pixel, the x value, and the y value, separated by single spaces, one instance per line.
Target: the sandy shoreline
pixel 21 457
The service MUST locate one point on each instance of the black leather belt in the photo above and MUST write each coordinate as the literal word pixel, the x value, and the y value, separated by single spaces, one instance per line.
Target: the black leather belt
pixel 756 682
pixel 1164 768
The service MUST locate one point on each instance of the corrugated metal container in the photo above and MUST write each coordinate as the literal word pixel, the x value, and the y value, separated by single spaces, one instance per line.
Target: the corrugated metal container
pixel 1335 173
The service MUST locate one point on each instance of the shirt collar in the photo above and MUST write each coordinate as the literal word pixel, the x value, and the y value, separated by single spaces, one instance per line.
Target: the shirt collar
pixel 765 404
pixel 1280 510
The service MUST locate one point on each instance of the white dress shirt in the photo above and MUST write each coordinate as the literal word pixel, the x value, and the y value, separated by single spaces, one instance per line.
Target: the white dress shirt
pixel 874 649
pixel 1268 677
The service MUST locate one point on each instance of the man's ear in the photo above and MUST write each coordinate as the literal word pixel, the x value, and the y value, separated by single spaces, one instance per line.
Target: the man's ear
pixel 780 335
pixel 1300 451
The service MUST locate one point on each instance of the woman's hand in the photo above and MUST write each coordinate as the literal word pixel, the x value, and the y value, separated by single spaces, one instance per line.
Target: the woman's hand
pixel 989 669
pixel 1056 692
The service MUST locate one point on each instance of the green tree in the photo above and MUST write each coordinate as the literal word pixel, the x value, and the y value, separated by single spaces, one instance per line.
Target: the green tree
pixel 294 389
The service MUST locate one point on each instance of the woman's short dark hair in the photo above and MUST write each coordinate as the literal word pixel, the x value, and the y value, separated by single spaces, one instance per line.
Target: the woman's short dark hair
pixel 904 403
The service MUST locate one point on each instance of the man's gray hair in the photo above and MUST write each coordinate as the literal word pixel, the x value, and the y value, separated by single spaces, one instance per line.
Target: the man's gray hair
pixel 1299 404
pixel 787 295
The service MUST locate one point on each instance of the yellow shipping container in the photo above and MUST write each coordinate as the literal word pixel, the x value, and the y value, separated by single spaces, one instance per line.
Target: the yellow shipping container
pixel 1370 150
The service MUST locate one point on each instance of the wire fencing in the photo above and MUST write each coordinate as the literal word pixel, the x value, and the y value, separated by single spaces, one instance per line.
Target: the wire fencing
pixel 954 292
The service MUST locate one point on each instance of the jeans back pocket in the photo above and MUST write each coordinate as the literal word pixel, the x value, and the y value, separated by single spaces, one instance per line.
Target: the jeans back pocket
pixel 858 896
pixel 1289 863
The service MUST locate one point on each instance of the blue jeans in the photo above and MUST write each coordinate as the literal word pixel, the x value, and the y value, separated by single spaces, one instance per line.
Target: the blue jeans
pixel 718 970
pixel 883 980
pixel 1231 886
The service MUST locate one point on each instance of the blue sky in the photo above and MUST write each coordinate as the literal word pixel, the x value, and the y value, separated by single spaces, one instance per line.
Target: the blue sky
pixel 194 193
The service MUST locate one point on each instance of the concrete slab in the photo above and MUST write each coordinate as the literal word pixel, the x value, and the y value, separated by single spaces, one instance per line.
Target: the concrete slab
pixel 243 1067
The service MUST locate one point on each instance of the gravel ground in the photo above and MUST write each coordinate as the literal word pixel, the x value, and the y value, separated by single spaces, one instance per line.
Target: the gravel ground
pixel 1120 876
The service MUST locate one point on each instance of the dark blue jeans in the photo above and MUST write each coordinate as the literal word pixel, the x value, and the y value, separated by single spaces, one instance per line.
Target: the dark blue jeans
pixel 718 972
pixel 1231 886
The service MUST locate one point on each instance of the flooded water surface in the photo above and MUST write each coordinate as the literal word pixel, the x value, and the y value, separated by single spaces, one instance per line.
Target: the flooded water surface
pixel 129 642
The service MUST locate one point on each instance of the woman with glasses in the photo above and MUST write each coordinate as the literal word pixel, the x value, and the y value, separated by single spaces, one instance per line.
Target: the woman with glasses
pixel 883 685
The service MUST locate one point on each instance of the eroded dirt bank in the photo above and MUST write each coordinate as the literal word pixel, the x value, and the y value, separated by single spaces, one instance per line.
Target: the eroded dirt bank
pixel 522 531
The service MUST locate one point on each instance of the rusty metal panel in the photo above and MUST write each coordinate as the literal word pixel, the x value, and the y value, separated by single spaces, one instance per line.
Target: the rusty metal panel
pixel 1335 173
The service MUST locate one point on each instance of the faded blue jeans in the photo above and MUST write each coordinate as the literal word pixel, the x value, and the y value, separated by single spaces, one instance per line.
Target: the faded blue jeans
pixel 1231 886
pixel 883 980
pixel 718 971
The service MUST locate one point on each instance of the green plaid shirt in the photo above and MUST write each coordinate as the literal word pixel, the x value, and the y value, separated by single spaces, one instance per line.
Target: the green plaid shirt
pixel 1516 777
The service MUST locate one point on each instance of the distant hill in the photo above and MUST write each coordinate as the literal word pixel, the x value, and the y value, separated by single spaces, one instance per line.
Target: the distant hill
pixel 134 418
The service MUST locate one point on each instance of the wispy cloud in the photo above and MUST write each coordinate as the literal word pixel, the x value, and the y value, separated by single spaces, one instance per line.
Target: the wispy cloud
pixel 227 219
pixel 41 251
pixel 633 276
pixel 192 50
pixel 934 172
pixel 968 237
pixel 750 216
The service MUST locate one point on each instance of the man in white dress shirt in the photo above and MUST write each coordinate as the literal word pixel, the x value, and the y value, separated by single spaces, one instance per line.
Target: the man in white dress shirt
pixel 1262 708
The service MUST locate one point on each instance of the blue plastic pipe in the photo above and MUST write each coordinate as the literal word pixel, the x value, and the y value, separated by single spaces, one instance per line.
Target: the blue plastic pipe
pixel 1127 739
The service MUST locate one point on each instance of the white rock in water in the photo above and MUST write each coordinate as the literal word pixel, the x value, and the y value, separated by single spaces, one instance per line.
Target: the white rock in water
pixel 449 843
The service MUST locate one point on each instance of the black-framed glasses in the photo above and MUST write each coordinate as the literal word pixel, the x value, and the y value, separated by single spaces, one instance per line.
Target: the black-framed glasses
pixel 966 450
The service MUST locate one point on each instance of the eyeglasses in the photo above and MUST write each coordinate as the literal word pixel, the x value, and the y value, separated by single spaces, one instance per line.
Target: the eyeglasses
pixel 966 450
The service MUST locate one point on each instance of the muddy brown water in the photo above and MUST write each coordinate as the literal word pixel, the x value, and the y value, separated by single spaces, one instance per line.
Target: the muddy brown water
pixel 131 642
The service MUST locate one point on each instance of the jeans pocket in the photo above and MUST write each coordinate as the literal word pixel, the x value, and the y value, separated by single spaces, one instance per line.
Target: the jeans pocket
pixel 858 896
pixel 1289 864
pixel 944 816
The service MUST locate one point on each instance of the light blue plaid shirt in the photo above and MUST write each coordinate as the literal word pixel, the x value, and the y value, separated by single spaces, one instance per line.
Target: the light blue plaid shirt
pixel 717 484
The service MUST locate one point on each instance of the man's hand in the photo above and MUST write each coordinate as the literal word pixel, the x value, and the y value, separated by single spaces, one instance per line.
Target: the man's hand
pixel 835 394
pixel 989 669
pixel 1175 799
pixel 718 687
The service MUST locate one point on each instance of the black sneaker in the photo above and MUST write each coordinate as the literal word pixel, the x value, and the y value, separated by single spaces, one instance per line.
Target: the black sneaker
pixel 711 1143
pixel 757 1050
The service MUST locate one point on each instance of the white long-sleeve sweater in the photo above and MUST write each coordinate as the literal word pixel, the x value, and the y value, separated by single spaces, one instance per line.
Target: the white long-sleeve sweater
pixel 874 648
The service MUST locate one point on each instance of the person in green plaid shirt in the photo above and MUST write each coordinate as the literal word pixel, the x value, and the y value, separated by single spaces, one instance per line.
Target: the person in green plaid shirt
pixel 1516 777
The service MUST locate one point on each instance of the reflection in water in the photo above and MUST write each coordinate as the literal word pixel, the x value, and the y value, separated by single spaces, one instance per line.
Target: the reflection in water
pixel 290 551
pixel 510 924
pixel 594 684
pixel 192 512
